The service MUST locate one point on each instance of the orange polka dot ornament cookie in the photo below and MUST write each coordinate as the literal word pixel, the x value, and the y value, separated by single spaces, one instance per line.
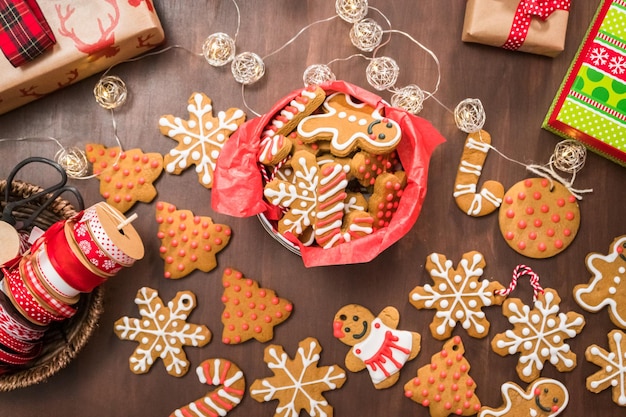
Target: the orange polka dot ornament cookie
pixel 539 218
pixel 188 242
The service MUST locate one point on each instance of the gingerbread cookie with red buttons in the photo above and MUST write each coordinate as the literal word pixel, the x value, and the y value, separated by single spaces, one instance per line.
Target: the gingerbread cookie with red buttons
pixel 250 311
pixel 539 218
pixel 367 167
pixel 126 177
pixel 188 242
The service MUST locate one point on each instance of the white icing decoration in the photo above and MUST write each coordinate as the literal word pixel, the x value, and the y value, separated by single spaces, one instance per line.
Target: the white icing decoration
pixel 457 300
pixel 544 322
pixel 198 144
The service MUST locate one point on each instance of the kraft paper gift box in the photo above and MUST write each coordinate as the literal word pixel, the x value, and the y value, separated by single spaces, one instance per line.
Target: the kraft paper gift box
pixel 590 106
pixel 491 22
pixel 91 36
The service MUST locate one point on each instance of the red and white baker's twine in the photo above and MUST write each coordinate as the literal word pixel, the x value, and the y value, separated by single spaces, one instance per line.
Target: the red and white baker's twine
pixel 526 11
pixel 518 272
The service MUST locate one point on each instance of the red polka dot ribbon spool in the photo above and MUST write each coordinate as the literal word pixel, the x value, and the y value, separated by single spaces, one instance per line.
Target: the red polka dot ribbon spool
pixel 526 11
pixel 13 325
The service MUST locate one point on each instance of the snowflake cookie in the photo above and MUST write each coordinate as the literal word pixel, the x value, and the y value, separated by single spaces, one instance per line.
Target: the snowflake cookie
pixel 546 397
pixel 162 331
pixel 188 242
pixel 125 177
pixel 458 295
pixel 231 385
pixel 298 384
pixel 250 312
pixel 376 342
pixel 538 335
pixel 613 364
pixel 200 139
pixel 444 385
pixel 607 287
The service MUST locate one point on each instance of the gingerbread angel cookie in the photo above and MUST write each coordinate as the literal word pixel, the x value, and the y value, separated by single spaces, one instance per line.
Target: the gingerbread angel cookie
pixel 376 342
pixel 607 287
pixel 458 295
pixel 546 397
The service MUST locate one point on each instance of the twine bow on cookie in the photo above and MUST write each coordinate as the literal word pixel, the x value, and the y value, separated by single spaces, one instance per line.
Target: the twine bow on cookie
pixel 526 11
pixel 518 272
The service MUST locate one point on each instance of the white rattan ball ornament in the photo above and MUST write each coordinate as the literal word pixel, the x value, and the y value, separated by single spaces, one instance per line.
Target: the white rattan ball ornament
pixel 351 10
pixel 409 98
pixel 469 115
pixel 366 35
pixel 110 92
pixel 569 156
pixel 247 68
pixel 73 160
pixel 218 49
pixel 382 73
pixel 317 74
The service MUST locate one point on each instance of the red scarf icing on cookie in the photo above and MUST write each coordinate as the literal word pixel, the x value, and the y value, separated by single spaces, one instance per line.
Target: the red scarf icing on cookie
pixel 526 11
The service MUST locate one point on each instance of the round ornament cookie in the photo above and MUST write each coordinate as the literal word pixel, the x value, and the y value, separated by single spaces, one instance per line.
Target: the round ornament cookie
pixel 539 219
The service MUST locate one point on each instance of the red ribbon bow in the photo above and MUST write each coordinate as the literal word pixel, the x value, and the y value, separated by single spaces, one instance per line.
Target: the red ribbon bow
pixel 526 11
pixel 543 8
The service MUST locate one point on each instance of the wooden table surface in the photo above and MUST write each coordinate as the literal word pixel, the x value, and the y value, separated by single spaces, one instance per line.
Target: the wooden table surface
pixel 516 90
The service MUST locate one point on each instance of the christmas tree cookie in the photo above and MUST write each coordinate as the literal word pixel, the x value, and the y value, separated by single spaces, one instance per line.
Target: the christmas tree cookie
pixel 444 385
pixel 250 312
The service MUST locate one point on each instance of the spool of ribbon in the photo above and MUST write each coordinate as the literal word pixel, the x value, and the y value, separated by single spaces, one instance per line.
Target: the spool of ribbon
pixel 39 292
pixel 24 32
pixel 525 12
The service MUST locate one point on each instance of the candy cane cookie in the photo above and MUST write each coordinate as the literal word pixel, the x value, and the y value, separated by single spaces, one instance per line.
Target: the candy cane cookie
pixel 489 198
pixel 231 385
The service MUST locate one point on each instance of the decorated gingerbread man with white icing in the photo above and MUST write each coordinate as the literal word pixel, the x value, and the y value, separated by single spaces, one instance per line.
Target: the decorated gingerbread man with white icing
pixel 546 397
pixel 349 125
pixel 376 342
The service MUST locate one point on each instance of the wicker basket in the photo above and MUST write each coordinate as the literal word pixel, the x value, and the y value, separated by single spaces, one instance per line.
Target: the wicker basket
pixel 63 340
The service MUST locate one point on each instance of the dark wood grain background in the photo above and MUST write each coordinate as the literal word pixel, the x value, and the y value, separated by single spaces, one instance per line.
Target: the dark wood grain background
pixel 516 90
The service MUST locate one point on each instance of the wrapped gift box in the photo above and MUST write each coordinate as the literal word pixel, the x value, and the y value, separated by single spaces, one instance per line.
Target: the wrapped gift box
pixel 503 23
pixel 91 36
pixel 591 103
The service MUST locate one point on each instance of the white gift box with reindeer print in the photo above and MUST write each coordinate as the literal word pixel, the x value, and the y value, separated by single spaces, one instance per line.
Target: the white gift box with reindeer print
pixel 91 36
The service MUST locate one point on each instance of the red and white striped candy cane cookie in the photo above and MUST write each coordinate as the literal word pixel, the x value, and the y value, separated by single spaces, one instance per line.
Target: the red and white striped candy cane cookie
pixel 231 387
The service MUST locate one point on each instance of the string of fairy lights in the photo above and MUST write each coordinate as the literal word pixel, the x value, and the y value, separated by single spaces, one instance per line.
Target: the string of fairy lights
pixel 366 34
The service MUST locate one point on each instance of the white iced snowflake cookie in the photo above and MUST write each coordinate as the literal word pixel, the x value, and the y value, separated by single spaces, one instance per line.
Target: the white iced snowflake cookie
pixel 458 295
pixel 538 335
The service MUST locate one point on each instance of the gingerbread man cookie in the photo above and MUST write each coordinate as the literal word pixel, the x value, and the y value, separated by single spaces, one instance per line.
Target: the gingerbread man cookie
pixel 350 126
pixel 539 219
pixel 376 343
pixel 546 397
pixel 607 287
pixel 457 294
pixel 200 139
pixel 489 198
